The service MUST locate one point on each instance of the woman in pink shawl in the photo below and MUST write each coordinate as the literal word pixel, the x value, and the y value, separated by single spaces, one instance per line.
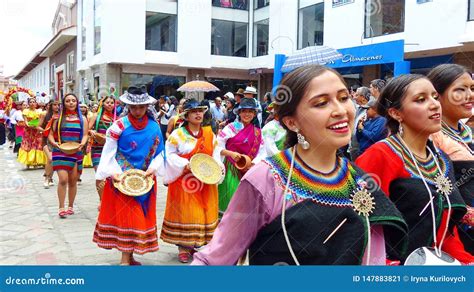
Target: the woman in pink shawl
pixel 239 138
pixel 305 205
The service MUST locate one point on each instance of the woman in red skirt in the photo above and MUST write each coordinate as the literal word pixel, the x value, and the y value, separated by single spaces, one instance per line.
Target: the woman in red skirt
pixel 132 142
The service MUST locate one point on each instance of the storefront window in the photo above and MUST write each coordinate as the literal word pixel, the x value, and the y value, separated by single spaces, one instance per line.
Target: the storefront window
pixel 260 3
pixel 311 26
pixel 383 17
pixel 260 38
pixel 97 26
pixel 160 32
pixel 156 85
pixel 235 4
pixel 83 33
pixel 226 85
pixel 470 13
pixel 229 38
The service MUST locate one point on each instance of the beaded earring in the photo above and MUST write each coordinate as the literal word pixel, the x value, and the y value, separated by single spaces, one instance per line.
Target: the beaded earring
pixel 301 140
pixel 400 129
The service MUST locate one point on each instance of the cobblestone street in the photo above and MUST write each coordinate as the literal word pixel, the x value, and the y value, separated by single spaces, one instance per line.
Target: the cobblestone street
pixel 31 233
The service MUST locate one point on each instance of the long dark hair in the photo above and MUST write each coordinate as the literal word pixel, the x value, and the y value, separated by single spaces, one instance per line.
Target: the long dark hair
pixel 49 113
pixel 63 113
pixel 291 91
pixel 444 75
pixel 100 111
pixel 392 96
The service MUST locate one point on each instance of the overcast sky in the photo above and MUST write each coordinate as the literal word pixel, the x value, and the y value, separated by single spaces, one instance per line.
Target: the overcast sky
pixel 25 29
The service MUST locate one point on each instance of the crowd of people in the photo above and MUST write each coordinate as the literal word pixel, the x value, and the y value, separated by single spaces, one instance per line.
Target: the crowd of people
pixel 330 176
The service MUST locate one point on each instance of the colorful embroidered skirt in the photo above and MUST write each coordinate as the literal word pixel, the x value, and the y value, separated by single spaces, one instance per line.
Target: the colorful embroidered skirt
pixel 123 225
pixel 31 151
pixel 191 214
pixel 96 152
pixel 228 187
pixel 63 161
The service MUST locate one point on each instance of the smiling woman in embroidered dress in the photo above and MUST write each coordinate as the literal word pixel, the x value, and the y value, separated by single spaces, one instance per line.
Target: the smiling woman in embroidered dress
pixel 306 192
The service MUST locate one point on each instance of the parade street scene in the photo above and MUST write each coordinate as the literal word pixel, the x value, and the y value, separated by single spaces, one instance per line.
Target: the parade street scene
pixel 238 133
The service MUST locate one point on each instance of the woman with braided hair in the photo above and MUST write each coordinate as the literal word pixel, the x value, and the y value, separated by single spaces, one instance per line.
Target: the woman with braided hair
pixel 69 127
pixel 98 125
pixel 45 123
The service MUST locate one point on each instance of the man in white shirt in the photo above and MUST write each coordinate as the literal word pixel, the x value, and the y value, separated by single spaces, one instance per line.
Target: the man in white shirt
pixel 217 111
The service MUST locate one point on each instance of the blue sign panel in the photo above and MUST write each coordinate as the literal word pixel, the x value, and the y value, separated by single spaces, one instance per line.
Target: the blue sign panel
pixel 388 52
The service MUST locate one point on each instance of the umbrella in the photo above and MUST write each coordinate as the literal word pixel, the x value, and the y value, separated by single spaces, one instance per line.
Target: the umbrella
pixel 197 86
pixel 318 55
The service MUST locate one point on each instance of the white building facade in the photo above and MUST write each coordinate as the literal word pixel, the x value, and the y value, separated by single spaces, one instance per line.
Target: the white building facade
pixel 35 76
pixel 232 43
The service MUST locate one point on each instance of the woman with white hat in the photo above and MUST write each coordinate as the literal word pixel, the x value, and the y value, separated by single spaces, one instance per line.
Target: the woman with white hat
pixel 239 139
pixel 132 142
pixel 191 208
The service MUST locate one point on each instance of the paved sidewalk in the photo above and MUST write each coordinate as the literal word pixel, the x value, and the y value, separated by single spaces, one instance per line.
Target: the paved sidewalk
pixel 31 233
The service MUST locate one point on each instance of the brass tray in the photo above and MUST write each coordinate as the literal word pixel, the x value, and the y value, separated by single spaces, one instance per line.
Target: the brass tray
pixel 134 183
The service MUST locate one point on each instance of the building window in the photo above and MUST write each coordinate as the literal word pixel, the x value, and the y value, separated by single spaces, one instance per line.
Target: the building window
pixel 70 66
pixel 229 38
pixel 161 32
pixel 311 26
pixel 156 85
pixel 384 17
pixel 470 13
pixel 51 76
pixel 97 25
pixel 336 3
pixel 83 32
pixel 260 38
pixel 235 4
pixel 260 3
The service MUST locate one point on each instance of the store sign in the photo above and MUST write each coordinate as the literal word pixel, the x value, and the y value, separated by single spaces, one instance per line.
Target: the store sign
pixel 348 58
pixel 388 52
pixel 336 3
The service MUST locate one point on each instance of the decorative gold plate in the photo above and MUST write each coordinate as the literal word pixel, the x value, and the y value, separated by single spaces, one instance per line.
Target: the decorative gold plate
pixel 134 183
pixel 205 169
